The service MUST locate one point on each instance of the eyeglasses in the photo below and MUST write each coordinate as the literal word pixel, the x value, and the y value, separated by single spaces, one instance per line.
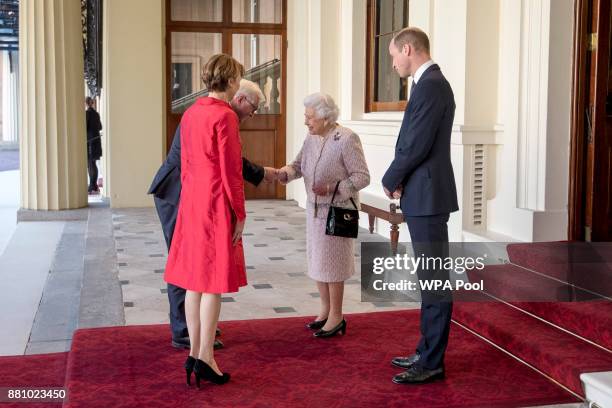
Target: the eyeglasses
pixel 255 107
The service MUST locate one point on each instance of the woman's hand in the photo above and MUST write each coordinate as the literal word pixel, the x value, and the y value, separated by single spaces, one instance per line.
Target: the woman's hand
pixel 321 189
pixel 237 235
pixel 282 176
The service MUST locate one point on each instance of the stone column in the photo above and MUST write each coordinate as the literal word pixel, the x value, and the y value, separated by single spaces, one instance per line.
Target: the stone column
pixel 52 115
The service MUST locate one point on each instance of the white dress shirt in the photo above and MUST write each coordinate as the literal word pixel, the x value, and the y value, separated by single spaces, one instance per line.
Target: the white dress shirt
pixel 419 72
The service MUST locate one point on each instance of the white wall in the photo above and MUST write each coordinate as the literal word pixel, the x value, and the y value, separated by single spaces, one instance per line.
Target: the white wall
pixel 531 168
pixel 508 62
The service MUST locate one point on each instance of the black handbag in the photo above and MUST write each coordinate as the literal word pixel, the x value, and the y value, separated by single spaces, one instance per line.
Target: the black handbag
pixel 342 222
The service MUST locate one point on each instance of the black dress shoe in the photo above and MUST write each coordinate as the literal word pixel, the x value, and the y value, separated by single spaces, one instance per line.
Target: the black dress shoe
pixel 316 324
pixel 406 362
pixel 418 375
pixel 183 343
pixel 341 327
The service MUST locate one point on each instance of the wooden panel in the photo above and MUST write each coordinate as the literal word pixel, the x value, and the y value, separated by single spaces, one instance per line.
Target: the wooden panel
pixel 388 106
pixel 576 203
pixel 260 122
pixel 600 142
pixel 258 147
pixel 263 143
pixel 172 122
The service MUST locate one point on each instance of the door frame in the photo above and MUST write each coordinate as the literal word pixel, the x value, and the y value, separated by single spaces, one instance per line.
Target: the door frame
pixel 585 23
pixel 227 27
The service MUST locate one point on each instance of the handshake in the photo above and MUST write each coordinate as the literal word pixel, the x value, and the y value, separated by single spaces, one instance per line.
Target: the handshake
pixel 271 175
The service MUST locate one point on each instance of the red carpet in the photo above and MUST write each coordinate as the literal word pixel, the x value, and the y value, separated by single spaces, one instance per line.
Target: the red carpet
pixel 591 320
pixel 42 370
pixel 556 353
pixel 277 363
pixel 586 265
pixel 573 309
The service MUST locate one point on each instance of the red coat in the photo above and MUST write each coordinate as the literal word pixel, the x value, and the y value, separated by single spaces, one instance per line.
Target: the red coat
pixel 202 257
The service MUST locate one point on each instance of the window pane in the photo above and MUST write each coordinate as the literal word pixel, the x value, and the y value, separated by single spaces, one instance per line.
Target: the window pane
pixel 197 10
pixel 190 51
pixel 257 11
pixel 388 86
pixel 261 56
pixel 392 15
pixel 400 14
pixel 384 17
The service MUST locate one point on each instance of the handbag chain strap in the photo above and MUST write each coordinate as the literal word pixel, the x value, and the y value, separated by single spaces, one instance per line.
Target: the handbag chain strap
pixel 314 174
pixel 334 196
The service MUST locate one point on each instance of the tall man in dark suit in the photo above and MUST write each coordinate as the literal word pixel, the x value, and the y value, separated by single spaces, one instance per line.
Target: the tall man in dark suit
pixel 166 188
pixel 421 174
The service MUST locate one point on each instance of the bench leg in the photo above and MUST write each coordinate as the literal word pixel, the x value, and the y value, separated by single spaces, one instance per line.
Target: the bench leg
pixel 371 220
pixel 394 237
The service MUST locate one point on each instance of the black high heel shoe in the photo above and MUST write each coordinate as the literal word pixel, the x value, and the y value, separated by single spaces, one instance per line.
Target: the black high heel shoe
pixel 341 327
pixel 316 324
pixel 203 370
pixel 189 363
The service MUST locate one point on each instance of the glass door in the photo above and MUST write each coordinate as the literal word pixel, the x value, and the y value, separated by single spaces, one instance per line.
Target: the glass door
pixel 252 31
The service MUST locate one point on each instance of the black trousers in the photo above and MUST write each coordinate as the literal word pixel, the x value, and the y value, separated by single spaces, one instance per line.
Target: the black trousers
pixel 92 169
pixel 176 295
pixel 429 236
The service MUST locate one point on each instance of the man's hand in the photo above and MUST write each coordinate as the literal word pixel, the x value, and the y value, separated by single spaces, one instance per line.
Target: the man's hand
pixel 388 193
pixel 321 189
pixel 282 177
pixel 237 235
pixel 270 174
pixel 397 194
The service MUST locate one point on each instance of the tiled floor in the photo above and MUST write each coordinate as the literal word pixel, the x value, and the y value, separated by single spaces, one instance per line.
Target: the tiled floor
pixel 275 251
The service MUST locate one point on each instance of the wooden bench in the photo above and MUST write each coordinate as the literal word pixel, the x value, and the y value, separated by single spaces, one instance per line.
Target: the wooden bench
pixel 385 209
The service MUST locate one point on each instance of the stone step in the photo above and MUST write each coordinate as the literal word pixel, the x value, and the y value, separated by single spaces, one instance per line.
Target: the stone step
pixel 598 388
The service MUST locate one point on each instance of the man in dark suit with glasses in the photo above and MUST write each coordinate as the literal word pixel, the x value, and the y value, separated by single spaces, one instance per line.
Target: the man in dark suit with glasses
pixel 166 190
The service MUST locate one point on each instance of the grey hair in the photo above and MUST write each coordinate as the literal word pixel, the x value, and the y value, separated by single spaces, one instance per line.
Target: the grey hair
pixel 323 105
pixel 251 90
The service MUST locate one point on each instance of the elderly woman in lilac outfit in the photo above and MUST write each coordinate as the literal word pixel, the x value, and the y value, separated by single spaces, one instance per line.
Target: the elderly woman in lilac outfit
pixel 330 153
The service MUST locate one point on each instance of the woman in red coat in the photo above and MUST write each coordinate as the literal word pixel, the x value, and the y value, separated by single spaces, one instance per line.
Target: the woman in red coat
pixel 206 256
